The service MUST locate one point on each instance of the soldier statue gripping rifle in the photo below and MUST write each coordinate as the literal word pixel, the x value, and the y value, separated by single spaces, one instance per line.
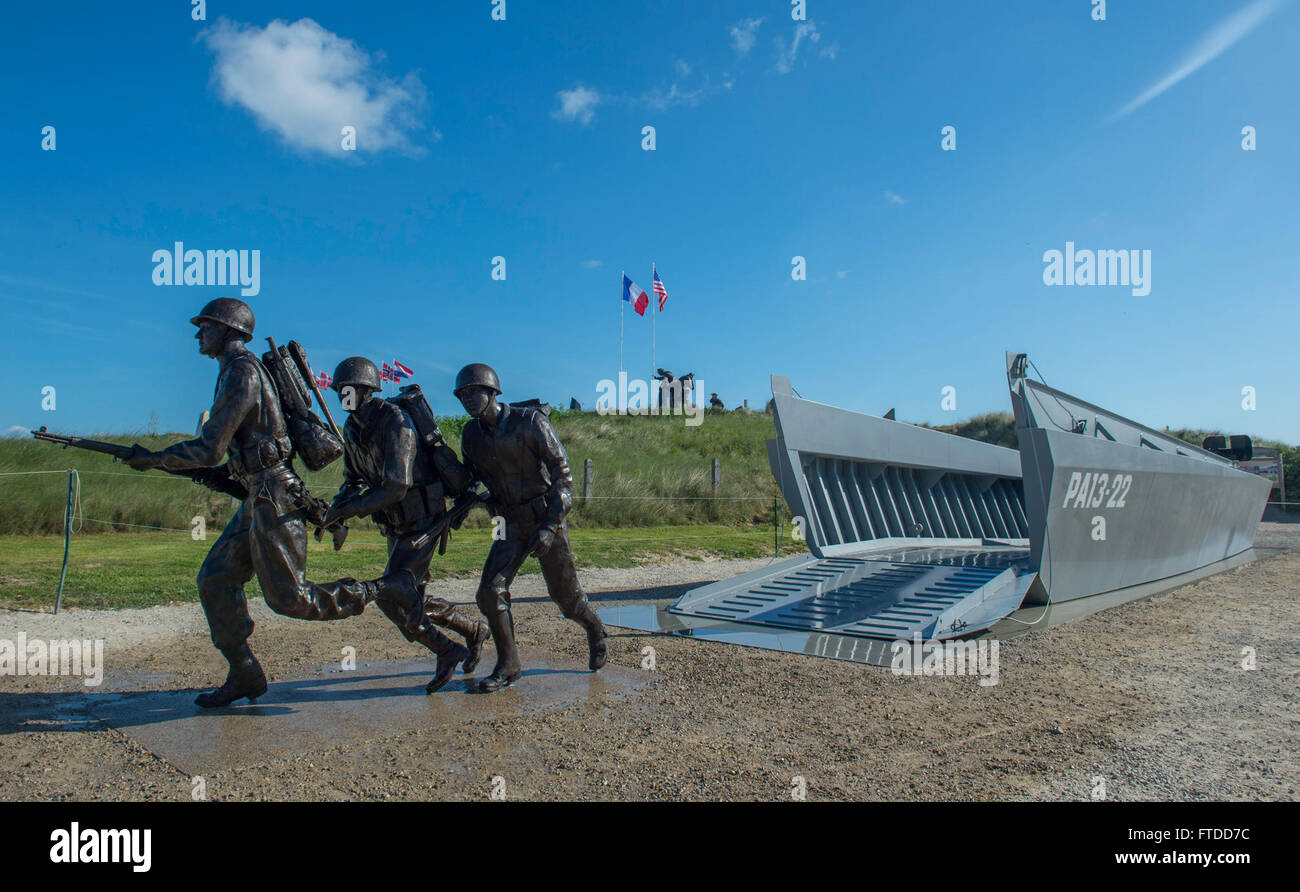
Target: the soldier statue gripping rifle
pixel 267 536
pixel 398 470
pixel 514 451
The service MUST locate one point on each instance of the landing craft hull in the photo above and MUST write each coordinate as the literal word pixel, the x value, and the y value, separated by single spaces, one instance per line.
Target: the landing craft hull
pixel 1117 504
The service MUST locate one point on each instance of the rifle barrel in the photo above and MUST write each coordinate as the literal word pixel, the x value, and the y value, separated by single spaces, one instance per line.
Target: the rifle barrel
pixel 81 443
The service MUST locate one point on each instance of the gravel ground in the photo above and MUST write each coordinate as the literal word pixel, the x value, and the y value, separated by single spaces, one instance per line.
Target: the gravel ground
pixel 1150 697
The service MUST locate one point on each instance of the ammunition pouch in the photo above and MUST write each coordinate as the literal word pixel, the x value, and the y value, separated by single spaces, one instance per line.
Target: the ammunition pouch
pixel 530 512
pixel 421 502
pixel 259 456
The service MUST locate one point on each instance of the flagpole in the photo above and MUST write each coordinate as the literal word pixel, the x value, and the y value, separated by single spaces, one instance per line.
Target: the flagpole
pixel 620 323
pixel 653 367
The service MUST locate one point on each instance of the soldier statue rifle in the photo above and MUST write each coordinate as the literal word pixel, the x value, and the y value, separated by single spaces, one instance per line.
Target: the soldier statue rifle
pixel 217 479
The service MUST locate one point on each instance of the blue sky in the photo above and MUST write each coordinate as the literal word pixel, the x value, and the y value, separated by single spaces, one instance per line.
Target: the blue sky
pixel 774 138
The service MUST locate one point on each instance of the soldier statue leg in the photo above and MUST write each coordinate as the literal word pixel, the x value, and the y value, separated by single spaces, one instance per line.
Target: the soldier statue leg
pixel 562 585
pixel 493 597
pixel 403 554
pixel 221 580
pixel 278 542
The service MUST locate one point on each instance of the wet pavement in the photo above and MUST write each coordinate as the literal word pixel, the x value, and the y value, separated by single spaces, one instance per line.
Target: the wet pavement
pixel 329 708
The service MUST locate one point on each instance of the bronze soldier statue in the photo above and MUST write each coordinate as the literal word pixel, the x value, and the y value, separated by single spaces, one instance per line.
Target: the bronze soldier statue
pixel 515 453
pixel 401 478
pixel 268 534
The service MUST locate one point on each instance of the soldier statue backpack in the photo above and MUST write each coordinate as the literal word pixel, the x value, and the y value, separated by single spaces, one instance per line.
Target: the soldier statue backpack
pixel 412 401
pixel 315 443
pixel 533 405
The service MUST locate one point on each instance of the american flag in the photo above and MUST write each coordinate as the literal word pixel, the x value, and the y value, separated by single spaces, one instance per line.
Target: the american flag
pixel 660 291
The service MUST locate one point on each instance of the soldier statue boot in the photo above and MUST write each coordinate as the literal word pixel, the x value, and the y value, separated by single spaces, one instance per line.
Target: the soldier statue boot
pixel 475 632
pixel 597 638
pixel 450 654
pixel 507 669
pixel 245 679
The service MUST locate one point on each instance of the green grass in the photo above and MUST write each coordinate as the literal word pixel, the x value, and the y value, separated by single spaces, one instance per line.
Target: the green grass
pixel 143 570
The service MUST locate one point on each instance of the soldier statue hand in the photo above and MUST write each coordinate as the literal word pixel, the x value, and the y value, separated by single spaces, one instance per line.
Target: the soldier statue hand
pixel 543 539
pixel 142 459
pixel 338 512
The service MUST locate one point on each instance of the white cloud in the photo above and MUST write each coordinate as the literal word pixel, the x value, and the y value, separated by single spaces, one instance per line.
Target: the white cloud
pixel 592 264
pixel 1207 49
pixel 744 35
pixel 785 59
pixel 683 69
pixel 659 99
pixel 16 430
pixel 305 84
pixel 841 274
pixel 894 198
pixel 578 104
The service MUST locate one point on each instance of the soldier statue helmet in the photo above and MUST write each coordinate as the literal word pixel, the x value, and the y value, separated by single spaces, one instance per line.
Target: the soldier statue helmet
pixel 229 311
pixel 356 371
pixel 219 322
pixel 477 374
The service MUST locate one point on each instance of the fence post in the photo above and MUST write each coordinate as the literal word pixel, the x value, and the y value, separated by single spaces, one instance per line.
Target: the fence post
pixel 776 531
pixel 717 477
pixel 67 540
pixel 586 480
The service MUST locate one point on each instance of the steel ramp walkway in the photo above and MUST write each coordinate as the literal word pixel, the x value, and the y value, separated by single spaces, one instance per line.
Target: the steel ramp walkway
pixel 897 594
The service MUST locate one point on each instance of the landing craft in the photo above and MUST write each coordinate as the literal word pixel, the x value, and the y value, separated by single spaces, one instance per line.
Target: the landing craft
pixel 915 534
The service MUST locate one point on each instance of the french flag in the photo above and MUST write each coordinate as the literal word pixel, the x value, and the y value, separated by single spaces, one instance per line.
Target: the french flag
pixel 635 296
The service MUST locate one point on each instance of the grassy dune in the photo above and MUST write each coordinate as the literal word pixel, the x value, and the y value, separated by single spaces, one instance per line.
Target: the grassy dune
pixel 647 472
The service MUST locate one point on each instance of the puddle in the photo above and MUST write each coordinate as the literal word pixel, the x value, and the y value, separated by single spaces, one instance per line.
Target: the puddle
pixel 332 708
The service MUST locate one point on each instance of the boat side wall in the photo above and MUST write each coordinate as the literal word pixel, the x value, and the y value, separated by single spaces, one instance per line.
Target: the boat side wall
pixel 1113 515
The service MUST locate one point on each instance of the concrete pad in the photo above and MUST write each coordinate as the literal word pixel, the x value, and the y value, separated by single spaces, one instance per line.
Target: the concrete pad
pixel 334 707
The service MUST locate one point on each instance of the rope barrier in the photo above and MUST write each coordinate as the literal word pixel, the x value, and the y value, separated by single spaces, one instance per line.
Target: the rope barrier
pixel 77 514
pixel 143 526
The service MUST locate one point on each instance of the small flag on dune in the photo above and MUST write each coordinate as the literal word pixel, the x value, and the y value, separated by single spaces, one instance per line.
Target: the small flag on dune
pixel 386 373
pixel 635 296
pixel 401 371
pixel 324 381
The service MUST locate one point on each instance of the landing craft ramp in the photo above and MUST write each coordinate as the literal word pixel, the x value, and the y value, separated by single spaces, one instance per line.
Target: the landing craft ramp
pixel 911 531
